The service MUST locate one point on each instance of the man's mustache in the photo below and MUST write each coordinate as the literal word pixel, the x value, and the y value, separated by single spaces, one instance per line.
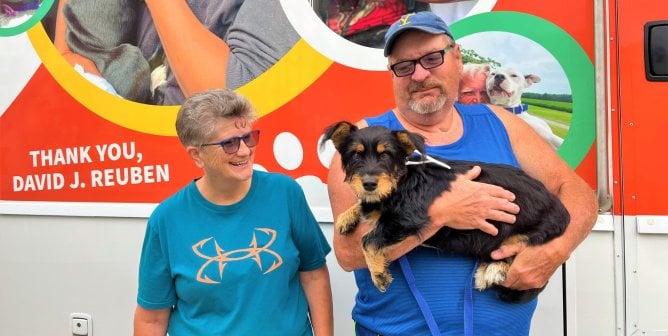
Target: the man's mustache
pixel 418 86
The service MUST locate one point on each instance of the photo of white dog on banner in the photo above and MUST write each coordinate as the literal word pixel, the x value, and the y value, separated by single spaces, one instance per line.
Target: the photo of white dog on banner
pixel 518 74
pixel 505 86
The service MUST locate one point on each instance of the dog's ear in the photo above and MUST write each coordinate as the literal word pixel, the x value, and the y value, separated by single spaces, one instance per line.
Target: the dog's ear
pixel 486 69
pixel 338 133
pixel 410 141
pixel 531 79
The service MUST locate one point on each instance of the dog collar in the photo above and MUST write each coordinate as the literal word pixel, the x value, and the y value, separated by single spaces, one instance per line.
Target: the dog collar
pixel 518 109
pixel 426 159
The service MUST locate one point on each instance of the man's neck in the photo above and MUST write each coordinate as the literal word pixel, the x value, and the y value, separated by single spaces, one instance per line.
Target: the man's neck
pixel 439 128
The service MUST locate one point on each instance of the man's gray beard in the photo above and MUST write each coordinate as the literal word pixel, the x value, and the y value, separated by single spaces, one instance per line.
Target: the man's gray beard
pixel 428 108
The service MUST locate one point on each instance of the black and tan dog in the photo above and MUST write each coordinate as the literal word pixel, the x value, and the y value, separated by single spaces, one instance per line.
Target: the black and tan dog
pixel 395 187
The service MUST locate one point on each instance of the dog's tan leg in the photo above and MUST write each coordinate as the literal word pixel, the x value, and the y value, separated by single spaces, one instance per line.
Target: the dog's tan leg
pixel 515 239
pixel 377 263
pixel 494 273
pixel 347 221
pixel 489 274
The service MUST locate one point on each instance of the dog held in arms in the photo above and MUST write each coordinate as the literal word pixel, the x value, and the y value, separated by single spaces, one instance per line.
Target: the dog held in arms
pixel 395 187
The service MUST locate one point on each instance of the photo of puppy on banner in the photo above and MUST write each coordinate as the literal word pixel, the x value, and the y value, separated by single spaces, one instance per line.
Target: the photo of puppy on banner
pixel 513 72
pixel 505 87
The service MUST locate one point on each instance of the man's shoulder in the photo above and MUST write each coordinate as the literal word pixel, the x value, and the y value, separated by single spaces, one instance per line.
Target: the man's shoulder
pixel 387 119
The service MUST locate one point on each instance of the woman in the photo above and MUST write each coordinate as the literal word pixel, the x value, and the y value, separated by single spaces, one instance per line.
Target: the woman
pixel 236 251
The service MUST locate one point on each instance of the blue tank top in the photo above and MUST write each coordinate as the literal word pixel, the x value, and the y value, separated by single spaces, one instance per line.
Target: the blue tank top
pixel 442 277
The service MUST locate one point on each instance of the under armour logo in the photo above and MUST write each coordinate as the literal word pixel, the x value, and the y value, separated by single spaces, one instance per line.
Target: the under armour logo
pixel 222 258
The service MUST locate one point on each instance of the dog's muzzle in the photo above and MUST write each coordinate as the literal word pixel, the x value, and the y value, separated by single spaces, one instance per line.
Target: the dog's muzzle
pixel 370 183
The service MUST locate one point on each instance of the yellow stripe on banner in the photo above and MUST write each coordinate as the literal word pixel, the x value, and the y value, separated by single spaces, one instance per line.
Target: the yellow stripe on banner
pixel 290 76
pixel 158 120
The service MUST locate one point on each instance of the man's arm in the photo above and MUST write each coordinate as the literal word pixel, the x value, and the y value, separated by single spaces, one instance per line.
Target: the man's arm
pixel 533 266
pixel 470 205
pixel 319 296
pixel 150 322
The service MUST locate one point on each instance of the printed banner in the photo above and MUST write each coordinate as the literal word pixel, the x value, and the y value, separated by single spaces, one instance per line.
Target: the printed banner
pixel 89 99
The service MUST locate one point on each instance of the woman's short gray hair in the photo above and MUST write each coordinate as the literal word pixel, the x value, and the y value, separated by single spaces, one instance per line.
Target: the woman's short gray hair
pixel 199 115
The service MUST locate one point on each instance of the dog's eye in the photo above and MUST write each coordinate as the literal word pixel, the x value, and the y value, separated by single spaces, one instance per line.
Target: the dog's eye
pixel 357 155
pixel 384 156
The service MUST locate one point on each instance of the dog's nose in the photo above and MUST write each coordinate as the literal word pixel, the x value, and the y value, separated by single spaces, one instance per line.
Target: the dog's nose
pixel 499 77
pixel 369 183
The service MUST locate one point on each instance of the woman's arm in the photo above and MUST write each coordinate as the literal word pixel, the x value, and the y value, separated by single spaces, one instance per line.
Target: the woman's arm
pixel 319 296
pixel 197 56
pixel 150 322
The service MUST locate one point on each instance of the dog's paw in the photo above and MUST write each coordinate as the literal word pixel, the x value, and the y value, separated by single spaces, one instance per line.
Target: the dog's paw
pixel 490 274
pixel 377 262
pixel 381 280
pixel 345 229
pixel 348 220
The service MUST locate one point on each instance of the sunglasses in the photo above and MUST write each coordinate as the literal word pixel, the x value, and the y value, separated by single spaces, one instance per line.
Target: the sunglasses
pixel 428 61
pixel 231 145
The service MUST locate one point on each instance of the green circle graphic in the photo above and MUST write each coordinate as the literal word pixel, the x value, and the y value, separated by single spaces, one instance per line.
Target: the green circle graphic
pixel 575 63
pixel 35 18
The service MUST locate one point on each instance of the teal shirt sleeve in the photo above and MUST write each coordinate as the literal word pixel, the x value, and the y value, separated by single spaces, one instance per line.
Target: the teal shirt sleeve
pixel 307 235
pixel 156 285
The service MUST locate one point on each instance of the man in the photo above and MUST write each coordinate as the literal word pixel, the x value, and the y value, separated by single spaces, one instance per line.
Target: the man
pixel 426 64
pixel 473 84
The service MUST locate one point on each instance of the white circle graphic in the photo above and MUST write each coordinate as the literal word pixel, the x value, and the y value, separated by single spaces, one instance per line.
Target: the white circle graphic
pixel 288 151
pixel 326 152
pixel 309 26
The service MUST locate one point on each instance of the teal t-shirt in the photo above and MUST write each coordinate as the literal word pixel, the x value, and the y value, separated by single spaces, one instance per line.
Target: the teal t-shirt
pixel 232 270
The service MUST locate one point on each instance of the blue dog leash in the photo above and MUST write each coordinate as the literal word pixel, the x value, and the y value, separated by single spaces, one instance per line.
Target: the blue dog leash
pixel 468 302
pixel 424 307
pixel 410 279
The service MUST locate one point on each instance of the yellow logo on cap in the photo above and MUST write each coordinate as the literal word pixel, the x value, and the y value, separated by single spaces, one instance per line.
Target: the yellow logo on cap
pixel 404 19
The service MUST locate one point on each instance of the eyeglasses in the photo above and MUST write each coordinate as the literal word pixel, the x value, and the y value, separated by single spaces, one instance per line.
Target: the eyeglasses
pixel 428 61
pixel 231 145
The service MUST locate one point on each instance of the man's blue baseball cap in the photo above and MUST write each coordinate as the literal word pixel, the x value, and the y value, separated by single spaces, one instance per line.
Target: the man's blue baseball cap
pixel 425 21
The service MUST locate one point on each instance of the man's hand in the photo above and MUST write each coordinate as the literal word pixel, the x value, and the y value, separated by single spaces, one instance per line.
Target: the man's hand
pixel 533 265
pixel 469 204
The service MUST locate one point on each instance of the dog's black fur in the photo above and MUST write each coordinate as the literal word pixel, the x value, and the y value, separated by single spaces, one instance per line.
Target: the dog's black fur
pixel 396 197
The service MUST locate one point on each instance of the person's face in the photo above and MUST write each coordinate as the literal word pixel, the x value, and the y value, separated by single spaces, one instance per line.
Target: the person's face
pixel 216 162
pixel 425 91
pixel 472 89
